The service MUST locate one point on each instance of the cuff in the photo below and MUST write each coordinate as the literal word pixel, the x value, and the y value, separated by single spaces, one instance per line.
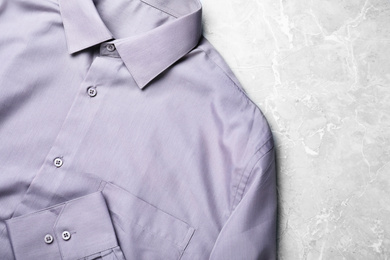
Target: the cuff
pixel 71 230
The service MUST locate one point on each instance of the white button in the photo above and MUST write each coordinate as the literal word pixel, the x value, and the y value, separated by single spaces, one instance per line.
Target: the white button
pixel 65 235
pixel 58 162
pixel 92 91
pixel 48 239
pixel 110 47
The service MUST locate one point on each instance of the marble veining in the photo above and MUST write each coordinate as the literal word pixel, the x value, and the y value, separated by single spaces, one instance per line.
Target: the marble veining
pixel 320 72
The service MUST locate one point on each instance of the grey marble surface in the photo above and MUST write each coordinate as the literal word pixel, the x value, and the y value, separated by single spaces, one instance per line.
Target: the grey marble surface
pixel 320 72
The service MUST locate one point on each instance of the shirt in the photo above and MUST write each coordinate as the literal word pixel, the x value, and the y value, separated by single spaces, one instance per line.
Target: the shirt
pixel 125 135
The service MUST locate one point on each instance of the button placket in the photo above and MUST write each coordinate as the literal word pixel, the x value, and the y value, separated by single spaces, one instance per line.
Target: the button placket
pixel 65 140
pixel 75 127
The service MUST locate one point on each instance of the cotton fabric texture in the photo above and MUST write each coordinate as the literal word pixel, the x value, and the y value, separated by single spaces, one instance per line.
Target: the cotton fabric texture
pixel 125 135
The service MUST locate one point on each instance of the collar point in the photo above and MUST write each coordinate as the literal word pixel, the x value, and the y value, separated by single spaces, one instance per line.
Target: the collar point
pixel 73 49
pixel 141 85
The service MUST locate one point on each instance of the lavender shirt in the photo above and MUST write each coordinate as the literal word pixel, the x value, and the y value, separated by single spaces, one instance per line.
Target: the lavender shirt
pixel 124 135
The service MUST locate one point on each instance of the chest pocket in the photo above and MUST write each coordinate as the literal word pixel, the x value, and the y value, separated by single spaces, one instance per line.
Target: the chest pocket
pixel 143 230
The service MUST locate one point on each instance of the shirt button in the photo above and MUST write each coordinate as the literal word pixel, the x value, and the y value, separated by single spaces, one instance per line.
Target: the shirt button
pixel 58 162
pixel 65 235
pixel 48 239
pixel 110 47
pixel 91 91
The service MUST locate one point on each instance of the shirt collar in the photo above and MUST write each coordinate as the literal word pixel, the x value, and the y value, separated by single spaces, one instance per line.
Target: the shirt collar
pixel 145 55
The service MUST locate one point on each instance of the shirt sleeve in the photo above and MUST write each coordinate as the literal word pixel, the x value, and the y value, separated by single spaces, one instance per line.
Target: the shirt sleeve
pixel 77 229
pixel 250 231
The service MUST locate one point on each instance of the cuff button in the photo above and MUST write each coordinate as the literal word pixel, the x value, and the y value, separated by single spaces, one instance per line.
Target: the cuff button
pixel 65 235
pixel 48 239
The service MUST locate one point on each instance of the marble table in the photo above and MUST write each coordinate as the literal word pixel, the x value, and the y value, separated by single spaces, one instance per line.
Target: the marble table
pixel 320 72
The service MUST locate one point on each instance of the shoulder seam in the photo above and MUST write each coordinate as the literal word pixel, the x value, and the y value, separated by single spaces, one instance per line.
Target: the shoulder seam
pixel 240 89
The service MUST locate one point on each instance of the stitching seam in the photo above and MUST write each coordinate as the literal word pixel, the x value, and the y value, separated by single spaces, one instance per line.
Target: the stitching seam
pixel 236 200
pixel 164 9
pixel 227 75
